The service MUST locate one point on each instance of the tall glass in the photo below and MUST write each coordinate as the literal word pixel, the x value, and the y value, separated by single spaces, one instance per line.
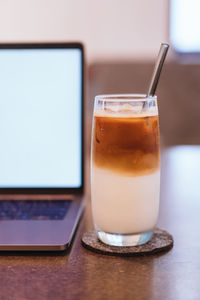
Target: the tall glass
pixel 125 168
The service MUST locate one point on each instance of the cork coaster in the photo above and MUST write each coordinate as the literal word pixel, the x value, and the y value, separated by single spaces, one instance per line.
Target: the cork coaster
pixel 161 240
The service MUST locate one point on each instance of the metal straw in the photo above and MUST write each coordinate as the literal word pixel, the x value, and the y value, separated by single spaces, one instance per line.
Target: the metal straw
pixel 157 69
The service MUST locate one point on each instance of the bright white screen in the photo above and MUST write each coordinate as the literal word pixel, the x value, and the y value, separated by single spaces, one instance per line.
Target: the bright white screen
pixel 185 25
pixel 40 118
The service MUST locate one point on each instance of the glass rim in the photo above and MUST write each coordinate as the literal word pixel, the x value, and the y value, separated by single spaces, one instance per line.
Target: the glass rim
pixel 125 97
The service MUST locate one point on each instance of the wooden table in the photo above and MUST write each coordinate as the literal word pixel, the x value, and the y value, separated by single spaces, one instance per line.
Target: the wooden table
pixel 82 274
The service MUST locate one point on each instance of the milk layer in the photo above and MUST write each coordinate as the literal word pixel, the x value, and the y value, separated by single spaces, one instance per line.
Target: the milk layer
pixel 124 205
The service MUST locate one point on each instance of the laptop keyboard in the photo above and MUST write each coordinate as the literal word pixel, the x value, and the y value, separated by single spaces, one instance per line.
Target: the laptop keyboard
pixel 33 209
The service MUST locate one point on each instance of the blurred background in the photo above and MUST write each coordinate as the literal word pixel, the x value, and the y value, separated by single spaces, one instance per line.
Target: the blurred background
pixel 122 39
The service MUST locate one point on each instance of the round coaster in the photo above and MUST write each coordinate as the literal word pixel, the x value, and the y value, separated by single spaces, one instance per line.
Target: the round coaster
pixel 161 240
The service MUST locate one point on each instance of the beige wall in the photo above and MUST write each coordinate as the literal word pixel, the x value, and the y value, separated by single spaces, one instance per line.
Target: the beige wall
pixel 110 29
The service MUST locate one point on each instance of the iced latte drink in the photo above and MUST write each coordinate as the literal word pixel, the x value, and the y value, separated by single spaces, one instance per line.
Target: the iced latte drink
pixel 125 168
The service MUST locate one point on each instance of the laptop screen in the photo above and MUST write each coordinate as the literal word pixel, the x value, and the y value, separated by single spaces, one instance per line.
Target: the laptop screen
pixel 40 118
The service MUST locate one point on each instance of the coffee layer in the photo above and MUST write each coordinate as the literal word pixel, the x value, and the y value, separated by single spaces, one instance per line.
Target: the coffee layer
pixel 128 145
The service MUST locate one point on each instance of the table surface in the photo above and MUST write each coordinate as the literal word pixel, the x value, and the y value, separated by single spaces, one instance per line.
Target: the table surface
pixel 81 274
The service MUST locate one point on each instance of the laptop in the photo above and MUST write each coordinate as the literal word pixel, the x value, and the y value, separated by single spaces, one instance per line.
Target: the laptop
pixel 41 145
